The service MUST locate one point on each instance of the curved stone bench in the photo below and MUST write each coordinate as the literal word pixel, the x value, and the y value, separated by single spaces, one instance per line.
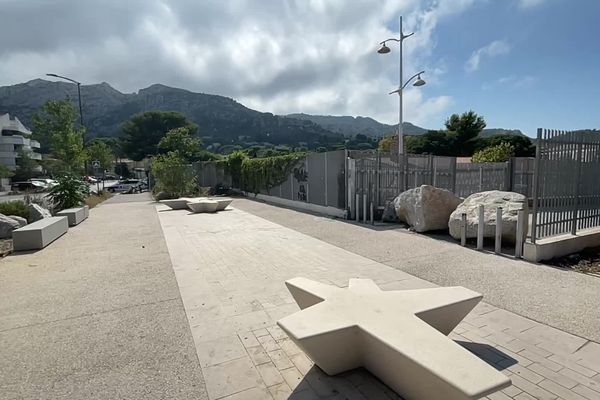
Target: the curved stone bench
pixel 223 202
pixel 39 234
pixel 203 206
pixel 75 215
pixel 399 336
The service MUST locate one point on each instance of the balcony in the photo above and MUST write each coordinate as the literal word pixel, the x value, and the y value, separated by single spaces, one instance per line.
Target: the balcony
pixel 20 140
pixel 34 144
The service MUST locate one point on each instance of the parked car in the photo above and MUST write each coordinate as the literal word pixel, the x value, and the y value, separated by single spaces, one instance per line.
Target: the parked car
pixel 30 186
pixel 126 185
pixel 90 179
pixel 49 183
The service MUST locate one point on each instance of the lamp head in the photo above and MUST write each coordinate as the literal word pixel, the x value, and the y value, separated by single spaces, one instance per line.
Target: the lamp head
pixel 383 49
pixel 419 81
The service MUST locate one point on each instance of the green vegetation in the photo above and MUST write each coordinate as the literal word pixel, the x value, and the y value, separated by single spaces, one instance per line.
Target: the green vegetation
pixel 54 128
pixel 265 173
pixel 5 172
pixel 26 167
pixel 15 207
pixel 98 150
pixel 70 192
pixel 499 153
pixel 173 175
pixel 143 132
pixel 94 199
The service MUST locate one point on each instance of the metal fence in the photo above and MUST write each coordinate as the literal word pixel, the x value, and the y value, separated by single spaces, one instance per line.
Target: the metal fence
pixel 319 178
pixel 566 194
pixel 379 177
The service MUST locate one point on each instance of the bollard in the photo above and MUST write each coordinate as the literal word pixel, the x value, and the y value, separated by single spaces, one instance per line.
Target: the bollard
pixel 365 208
pixel 480 227
pixel 520 228
pixel 498 247
pixel 463 229
pixel 372 214
pixel 357 208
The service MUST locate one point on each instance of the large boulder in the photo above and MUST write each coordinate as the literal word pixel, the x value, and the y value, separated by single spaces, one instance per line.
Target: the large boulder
pixel 426 208
pixel 510 202
pixel 389 213
pixel 22 221
pixel 37 212
pixel 7 225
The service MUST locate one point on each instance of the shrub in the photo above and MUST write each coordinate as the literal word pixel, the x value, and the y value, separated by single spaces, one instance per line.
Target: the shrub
pixel 173 175
pixel 15 207
pixel 265 173
pixel 498 153
pixel 70 192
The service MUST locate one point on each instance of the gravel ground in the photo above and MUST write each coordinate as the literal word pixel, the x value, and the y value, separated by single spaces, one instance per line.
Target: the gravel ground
pixel 554 296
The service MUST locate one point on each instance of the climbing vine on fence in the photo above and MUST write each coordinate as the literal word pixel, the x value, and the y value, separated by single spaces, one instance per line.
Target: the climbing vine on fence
pixel 265 173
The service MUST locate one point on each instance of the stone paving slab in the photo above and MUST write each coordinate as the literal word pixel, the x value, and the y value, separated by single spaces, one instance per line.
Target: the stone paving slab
pixel 97 314
pixel 231 268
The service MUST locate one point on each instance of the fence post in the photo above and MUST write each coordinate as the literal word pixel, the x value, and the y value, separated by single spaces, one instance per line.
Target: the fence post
pixel 372 215
pixel 498 241
pixel 520 228
pixel 577 184
pixel 463 229
pixel 357 208
pixel 365 207
pixel 433 171
pixel 480 177
pixel 405 167
pixel 480 227
pixel 510 170
pixel 453 172
pixel 536 184
pixel 377 180
pixel 326 202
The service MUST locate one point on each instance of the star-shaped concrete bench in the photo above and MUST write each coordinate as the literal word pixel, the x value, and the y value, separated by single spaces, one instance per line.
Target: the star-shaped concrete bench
pixel 399 336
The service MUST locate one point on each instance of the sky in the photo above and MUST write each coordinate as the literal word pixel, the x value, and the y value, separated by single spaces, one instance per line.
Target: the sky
pixel 522 64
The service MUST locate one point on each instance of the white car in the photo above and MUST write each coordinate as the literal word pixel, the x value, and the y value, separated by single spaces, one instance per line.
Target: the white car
pixel 48 183
pixel 126 186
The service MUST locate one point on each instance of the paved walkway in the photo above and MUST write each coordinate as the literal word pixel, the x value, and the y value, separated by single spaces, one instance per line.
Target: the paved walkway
pixel 231 269
pixel 560 298
pixel 97 314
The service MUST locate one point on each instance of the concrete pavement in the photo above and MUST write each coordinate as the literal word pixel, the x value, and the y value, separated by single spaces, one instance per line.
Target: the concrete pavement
pixel 560 298
pixel 97 314
pixel 231 267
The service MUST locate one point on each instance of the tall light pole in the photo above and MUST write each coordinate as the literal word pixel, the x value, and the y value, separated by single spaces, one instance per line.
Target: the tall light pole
pixel 419 82
pixel 78 96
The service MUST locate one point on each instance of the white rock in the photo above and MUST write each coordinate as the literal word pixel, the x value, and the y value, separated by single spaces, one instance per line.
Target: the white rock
pixel 37 212
pixel 510 202
pixel 22 221
pixel 426 208
pixel 7 225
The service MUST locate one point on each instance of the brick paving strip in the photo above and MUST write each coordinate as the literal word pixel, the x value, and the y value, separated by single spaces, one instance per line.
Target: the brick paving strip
pixel 231 268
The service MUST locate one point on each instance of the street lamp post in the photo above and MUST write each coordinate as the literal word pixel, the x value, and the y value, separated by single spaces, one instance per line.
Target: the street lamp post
pixel 419 82
pixel 78 96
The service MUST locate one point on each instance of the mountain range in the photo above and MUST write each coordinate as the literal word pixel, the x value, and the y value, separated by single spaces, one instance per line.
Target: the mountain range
pixel 220 119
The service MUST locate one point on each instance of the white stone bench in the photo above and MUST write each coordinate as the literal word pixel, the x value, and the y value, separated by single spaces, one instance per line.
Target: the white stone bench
pixel 223 202
pixel 39 234
pixel 176 204
pixel 75 215
pixel 399 336
pixel 203 206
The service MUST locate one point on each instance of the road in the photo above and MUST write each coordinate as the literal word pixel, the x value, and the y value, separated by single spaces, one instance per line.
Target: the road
pixel 93 189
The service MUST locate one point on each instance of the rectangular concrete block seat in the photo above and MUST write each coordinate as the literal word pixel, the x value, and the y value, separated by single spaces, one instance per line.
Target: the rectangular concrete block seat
pixel 399 336
pixel 75 215
pixel 176 204
pixel 203 206
pixel 39 234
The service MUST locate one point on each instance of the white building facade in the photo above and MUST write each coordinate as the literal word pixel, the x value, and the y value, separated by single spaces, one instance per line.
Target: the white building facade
pixel 14 138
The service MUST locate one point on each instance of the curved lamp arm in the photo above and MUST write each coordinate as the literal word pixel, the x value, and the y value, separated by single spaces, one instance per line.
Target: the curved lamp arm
pixel 65 78
pixel 411 78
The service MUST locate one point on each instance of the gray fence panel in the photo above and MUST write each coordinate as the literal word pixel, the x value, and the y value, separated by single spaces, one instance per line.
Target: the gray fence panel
pixel 335 178
pixel 316 178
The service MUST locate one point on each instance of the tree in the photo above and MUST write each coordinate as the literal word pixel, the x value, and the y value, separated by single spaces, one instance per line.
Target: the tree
pixel 522 145
pixel 26 166
pixel 54 128
pixel 385 144
pixel 498 153
pixel 98 150
pixel 142 132
pixel 5 172
pixel 463 130
pixel 173 175
pixel 180 141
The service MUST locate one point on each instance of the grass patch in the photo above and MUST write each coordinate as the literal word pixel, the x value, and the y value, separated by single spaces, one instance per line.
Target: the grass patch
pixel 95 199
pixel 15 207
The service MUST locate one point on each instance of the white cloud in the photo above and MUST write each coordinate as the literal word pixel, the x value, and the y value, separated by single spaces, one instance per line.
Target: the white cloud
pixel 314 56
pixel 513 82
pixel 493 49
pixel 527 4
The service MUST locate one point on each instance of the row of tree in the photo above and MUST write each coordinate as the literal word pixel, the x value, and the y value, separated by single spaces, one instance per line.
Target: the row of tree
pixel 462 138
